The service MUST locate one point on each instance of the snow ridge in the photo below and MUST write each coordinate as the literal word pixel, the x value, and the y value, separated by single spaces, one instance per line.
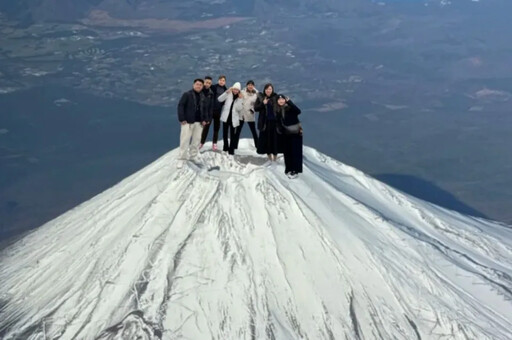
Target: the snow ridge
pixel 235 250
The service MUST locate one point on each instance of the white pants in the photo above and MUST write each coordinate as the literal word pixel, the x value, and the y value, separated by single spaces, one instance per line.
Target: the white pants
pixel 190 138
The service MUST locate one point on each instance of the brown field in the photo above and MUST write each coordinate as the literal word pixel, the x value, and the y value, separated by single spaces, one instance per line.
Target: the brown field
pixel 102 18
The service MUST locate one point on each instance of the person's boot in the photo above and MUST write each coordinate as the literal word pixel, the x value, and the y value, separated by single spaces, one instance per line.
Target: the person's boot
pixel 200 146
pixel 196 159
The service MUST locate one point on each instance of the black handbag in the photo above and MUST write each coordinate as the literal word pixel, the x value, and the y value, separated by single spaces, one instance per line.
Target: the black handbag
pixel 293 129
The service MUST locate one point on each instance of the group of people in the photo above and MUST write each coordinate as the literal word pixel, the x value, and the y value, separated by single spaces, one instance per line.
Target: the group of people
pixel 278 125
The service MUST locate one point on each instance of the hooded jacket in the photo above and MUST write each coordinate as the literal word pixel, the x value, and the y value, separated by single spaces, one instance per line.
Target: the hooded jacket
pixel 248 102
pixel 227 99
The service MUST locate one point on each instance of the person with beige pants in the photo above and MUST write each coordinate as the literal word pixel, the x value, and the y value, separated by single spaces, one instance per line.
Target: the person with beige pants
pixel 190 138
pixel 192 115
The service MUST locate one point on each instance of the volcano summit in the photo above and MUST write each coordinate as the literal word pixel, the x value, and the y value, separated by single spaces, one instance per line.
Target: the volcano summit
pixel 236 250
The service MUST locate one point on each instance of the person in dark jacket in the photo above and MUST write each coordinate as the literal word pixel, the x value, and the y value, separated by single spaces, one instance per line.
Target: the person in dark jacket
pixel 192 115
pixel 289 126
pixel 217 90
pixel 209 99
pixel 269 139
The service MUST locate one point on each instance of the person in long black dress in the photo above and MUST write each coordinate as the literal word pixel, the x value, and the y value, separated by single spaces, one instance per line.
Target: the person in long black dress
pixel 268 140
pixel 289 126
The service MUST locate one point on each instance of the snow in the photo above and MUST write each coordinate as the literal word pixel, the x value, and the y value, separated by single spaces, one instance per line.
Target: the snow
pixel 233 249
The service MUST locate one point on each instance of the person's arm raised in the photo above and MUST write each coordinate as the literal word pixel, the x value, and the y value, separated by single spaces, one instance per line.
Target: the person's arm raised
pixel 223 96
pixel 258 104
pixel 293 108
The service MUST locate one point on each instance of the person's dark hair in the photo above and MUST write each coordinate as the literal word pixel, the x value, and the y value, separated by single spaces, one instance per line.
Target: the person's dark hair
pixel 267 86
pixel 208 78
pixel 249 82
pixel 222 77
pixel 199 80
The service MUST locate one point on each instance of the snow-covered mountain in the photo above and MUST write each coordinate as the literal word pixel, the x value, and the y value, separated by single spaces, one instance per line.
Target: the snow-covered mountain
pixel 236 250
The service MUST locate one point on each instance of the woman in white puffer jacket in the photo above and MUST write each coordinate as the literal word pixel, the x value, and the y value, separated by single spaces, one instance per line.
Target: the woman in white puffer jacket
pixel 230 116
pixel 249 95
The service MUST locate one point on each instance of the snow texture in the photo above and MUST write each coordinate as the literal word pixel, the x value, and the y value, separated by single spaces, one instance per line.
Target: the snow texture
pixel 234 249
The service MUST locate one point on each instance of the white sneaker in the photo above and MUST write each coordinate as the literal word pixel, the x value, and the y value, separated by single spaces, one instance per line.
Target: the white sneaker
pixel 293 175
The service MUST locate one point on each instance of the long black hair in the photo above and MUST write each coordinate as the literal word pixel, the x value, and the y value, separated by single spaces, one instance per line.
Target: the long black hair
pixel 267 85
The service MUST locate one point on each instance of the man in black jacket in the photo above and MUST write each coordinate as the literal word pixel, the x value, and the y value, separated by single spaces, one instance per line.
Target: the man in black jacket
pixel 192 115
pixel 210 98
pixel 217 90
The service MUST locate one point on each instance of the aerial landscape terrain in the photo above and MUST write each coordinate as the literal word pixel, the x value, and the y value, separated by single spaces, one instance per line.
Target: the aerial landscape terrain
pixel 415 93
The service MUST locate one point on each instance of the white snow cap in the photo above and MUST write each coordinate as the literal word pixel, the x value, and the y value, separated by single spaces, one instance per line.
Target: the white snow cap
pixel 237 86
pixel 234 249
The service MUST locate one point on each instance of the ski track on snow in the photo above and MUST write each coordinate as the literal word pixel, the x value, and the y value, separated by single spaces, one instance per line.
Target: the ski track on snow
pixel 242 252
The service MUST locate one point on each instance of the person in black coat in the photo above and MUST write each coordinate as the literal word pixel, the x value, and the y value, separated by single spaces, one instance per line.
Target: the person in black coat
pixel 289 126
pixel 217 90
pixel 268 140
pixel 192 115
pixel 209 101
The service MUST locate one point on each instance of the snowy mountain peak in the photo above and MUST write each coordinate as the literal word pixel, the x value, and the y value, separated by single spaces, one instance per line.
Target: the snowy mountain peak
pixel 236 250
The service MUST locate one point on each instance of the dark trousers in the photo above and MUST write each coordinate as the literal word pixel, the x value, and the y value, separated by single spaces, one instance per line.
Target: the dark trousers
pixel 228 127
pixel 269 141
pixel 252 126
pixel 292 153
pixel 216 128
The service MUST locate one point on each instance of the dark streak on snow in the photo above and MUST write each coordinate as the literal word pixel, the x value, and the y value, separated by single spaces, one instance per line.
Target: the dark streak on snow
pixel 414 327
pixel 353 317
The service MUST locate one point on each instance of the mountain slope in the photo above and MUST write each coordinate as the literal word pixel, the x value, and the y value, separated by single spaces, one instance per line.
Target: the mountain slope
pixel 235 250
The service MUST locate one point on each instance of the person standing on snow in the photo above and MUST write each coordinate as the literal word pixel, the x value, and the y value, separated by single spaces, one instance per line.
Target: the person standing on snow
pixel 209 101
pixel 269 139
pixel 291 129
pixel 250 94
pixel 192 115
pixel 230 116
pixel 217 90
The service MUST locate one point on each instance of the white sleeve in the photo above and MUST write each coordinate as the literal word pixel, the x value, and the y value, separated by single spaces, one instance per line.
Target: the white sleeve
pixel 239 105
pixel 223 96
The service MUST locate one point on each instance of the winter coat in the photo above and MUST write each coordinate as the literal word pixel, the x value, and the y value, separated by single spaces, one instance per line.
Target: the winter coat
pixel 187 107
pixel 227 99
pixel 287 115
pixel 209 97
pixel 248 105
pixel 217 91
pixel 262 109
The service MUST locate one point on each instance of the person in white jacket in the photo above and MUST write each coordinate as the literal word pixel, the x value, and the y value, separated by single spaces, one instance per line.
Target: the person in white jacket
pixel 230 116
pixel 247 115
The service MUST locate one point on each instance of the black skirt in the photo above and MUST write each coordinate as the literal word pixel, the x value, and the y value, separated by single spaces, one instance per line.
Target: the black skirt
pixel 269 141
pixel 292 153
